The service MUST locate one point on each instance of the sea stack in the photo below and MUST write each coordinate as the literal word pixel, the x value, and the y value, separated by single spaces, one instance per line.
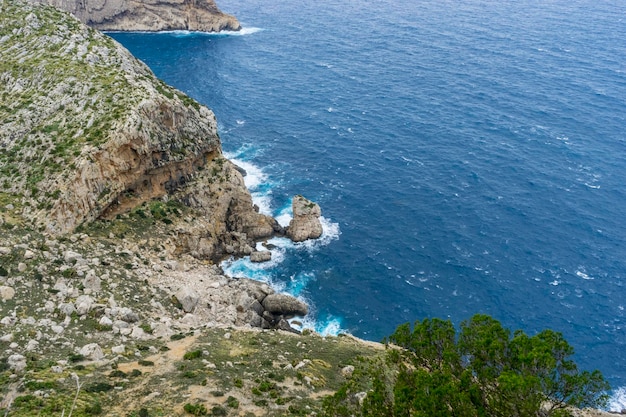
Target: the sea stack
pixel 305 223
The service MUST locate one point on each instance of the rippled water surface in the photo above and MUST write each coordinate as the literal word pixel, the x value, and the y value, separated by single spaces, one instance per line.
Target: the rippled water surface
pixel 467 157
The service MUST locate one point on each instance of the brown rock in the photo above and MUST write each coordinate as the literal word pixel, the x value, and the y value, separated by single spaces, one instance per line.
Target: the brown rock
pixel 305 223
pixel 284 304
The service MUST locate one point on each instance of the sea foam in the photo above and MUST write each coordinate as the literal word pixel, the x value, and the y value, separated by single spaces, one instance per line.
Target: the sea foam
pixel 617 402
pixel 261 186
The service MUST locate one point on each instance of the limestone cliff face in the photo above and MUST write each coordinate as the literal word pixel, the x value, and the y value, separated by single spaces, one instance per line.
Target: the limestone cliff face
pixel 148 15
pixel 89 132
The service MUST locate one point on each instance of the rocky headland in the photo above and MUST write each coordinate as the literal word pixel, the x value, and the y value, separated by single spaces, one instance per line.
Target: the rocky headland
pixel 116 205
pixel 148 15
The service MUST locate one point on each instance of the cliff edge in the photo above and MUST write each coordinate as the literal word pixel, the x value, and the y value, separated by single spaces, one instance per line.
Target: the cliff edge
pixel 88 132
pixel 148 15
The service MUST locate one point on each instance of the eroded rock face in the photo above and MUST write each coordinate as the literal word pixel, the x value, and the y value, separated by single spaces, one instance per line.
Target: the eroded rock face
pixel 305 223
pixel 89 132
pixel 148 15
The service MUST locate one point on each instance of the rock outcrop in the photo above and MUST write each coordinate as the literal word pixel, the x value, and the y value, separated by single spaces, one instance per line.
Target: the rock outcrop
pixel 148 15
pixel 305 223
pixel 89 132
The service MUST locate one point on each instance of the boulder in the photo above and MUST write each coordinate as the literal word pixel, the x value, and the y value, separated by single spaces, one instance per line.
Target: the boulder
pixel 92 281
pixel 284 304
pixel 67 308
pixel 92 351
pixel 83 304
pixel 16 362
pixel 187 298
pixel 260 256
pixel 6 293
pixel 305 223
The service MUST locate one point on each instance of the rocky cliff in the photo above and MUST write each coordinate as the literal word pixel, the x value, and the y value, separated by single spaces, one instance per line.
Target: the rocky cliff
pixel 89 132
pixel 148 15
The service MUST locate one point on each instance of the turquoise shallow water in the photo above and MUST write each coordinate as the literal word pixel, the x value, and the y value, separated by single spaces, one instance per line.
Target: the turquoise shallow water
pixel 468 157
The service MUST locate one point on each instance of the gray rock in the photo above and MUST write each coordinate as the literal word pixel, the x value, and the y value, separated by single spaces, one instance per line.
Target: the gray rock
pixel 260 256
pixel 347 371
pixel 256 307
pixel 17 362
pixel 67 308
pixel 7 338
pixel 21 267
pixel 92 281
pixel 284 304
pixel 83 304
pixel 8 321
pixel 29 254
pixel 187 298
pixel 129 316
pixel 105 321
pixel 32 345
pixel 92 351
pixel 118 350
pixel 57 329
pixel 6 293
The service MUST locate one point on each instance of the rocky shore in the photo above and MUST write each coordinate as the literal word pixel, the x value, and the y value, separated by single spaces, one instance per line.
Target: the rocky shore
pixel 148 15
pixel 116 205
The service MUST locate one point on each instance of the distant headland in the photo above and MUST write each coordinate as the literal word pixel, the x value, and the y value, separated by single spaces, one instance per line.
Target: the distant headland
pixel 148 15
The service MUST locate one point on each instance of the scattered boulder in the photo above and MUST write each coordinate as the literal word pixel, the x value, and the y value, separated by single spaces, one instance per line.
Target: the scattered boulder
pixel 67 308
pixel 128 315
pixel 83 304
pixel 305 223
pixel 6 293
pixel 105 321
pixel 92 281
pixel 118 350
pixel 92 351
pixel 17 362
pixel 187 298
pixel 284 304
pixel 347 371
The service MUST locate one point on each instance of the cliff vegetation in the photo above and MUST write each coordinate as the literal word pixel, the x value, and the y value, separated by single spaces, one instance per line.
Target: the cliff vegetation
pixel 115 205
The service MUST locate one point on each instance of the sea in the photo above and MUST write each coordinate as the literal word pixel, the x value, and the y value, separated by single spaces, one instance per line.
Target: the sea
pixel 468 156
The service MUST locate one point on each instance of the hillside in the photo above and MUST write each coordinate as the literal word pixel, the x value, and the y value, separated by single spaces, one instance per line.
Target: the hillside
pixel 116 204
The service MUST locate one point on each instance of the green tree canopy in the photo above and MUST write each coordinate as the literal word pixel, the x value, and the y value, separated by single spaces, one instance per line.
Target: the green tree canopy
pixel 480 371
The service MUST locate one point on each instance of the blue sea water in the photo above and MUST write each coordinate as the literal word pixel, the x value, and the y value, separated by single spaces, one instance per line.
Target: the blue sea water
pixel 468 157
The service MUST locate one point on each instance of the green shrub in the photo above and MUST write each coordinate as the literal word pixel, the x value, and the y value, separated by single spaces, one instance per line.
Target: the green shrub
pixel 192 355
pixel 99 387
pixel 232 402
pixel 196 409
pixel 218 410
pixel 94 409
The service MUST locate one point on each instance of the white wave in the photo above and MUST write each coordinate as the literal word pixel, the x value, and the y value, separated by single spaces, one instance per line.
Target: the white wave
pixel 182 33
pixel 257 183
pixel 243 32
pixel 330 232
pixel 583 275
pixel 328 327
pixel 617 401
pixel 285 214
